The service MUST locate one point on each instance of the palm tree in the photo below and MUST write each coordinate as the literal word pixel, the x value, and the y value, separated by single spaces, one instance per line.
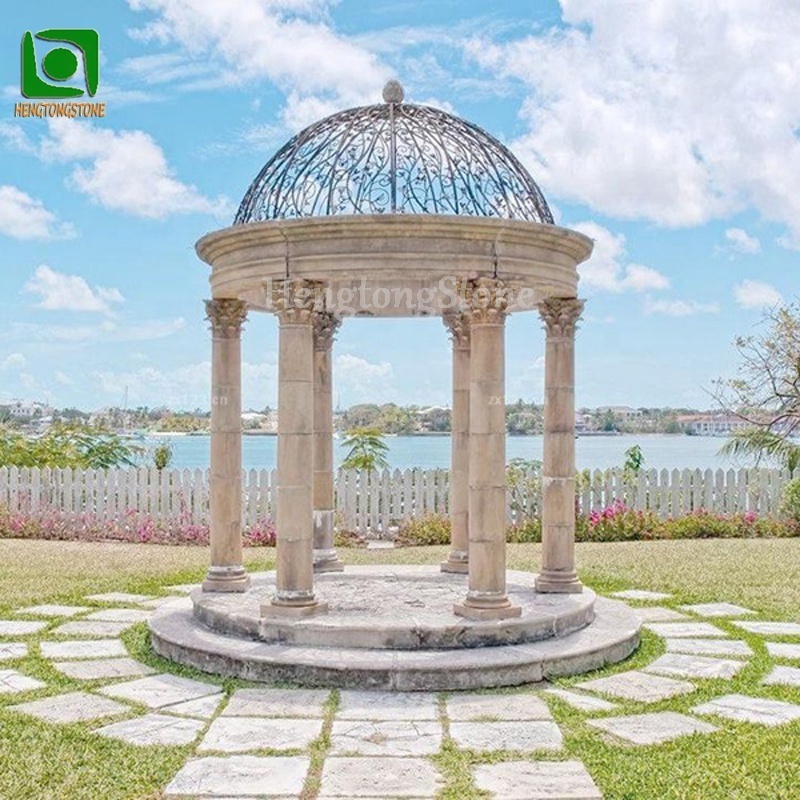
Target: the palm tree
pixel 367 449
pixel 760 443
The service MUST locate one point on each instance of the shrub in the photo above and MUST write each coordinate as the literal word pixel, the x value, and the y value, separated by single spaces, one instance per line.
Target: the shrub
pixel 790 500
pixel 345 538
pixel 424 530
pixel 616 523
pixel 525 532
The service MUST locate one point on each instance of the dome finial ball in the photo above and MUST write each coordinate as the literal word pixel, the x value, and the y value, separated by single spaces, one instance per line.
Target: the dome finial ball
pixel 393 92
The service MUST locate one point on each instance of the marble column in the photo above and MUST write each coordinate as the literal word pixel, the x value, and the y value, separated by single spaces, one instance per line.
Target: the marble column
pixel 558 573
pixel 458 559
pixel 226 573
pixel 325 557
pixel 293 301
pixel 486 596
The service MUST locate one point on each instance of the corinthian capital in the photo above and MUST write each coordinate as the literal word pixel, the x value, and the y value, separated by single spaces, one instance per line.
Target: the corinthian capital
pixel 457 323
pixel 325 327
pixel 560 315
pixel 294 300
pixel 226 317
pixel 487 301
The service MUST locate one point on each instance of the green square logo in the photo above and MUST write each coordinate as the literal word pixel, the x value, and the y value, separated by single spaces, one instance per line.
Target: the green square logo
pixel 60 64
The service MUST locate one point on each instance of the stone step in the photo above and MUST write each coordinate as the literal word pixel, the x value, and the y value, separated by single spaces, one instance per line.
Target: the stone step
pixel 611 637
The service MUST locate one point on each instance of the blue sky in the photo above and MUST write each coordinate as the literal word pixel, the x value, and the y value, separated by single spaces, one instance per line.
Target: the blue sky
pixel 667 131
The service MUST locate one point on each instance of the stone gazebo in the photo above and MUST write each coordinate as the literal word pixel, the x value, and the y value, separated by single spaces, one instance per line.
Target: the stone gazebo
pixel 394 210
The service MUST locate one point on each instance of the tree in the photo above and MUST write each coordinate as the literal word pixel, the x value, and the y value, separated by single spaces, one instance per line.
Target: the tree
pixel 367 449
pixel 766 390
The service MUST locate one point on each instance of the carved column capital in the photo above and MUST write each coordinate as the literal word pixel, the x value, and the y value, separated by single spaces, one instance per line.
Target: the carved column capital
pixel 325 326
pixel 226 317
pixel 457 323
pixel 487 301
pixel 294 300
pixel 561 315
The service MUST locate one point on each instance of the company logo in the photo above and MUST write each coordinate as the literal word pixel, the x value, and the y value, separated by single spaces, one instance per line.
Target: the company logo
pixel 60 63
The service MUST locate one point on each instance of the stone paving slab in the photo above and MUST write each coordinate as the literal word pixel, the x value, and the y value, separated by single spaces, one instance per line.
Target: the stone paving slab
pixel 242 734
pixel 203 707
pixel 157 602
pixel 709 647
pixel 120 615
pixel 182 588
pixel 537 780
pixel 783 676
pixel 394 777
pixel 775 649
pixel 11 650
pixel 72 707
pixel 495 707
pixel 99 668
pixel 13 682
pixel 19 627
pixel 691 630
pixel 641 594
pixel 639 686
pixel 529 735
pixel 81 627
pixel 770 628
pixel 644 729
pixel 582 702
pixel 83 648
pixel 154 729
pixel 718 610
pixel 53 610
pixel 240 776
pixel 157 691
pixel 691 666
pixel 385 737
pixel 387 706
pixel 277 703
pixel 757 710
pixel 659 614
pixel 119 597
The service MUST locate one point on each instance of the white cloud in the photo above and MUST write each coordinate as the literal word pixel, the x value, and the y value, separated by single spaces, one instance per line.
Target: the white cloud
pixel 364 379
pixel 62 378
pixel 68 336
pixel 742 242
pixel 678 111
pixel 607 269
pixel 24 217
pixel 15 361
pixel 60 292
pixel 755 294
pixel 679 308
pixel 27 380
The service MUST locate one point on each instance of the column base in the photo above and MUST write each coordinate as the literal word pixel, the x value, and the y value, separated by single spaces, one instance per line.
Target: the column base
pixel 457 561
pixel 327 561
pixel 487 606
pixel 226 579
pixel 558 583
pixel 325 557
pixel 274 609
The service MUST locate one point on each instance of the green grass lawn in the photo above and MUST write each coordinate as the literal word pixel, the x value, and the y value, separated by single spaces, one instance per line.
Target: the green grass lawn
pixel 741 761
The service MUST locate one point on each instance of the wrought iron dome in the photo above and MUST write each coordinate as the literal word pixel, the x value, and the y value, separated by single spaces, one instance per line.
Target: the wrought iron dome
pixel 393 158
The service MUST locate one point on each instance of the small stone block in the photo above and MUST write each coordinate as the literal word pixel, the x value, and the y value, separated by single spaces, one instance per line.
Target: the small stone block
pixel 154 729
pixel 718 610
pixel 72 707
pixel 691 630
pixel 203 707
pixel 775 649
pixel 757 710
pixel 13 627
pixel 386 738
pixel 11 650
pixel 240 776
pixel 783 676
pixel 638 686
pixel 157 691
pixel 83 649
pixel 277 703
pixel 240 734
pixel 53 610
pixel 582 702
pixel 13 682
pixel 689 666
pixel 709 647
pixel 457 567
pixel 659 614
pixel 641 594
pixel 273 610
pixel 520 736
pixel 394 777
pixel 118 597
pixel 80 627
pixel 470 612
pixel 100 668
pixel 120 615
pixel 770 628
pixel 496 707
pixel 537 780
pixel 387 706
pixel 644 729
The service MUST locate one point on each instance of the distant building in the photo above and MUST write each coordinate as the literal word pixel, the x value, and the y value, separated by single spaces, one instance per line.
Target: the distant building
pixel 713 424
pixel 625 413
pixel 23 409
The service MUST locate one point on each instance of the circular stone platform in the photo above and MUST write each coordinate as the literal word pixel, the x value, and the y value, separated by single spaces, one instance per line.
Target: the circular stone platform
pixel 393 627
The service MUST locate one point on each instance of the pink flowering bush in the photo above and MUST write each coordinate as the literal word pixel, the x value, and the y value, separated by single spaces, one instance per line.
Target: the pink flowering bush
pixel 616 523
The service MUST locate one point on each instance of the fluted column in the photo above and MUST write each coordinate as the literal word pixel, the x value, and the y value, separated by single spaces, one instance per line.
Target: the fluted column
pixel 294 302
pixel 486 597
pixel 325 557
pixel 558 573
pixel 226 573
pixel 458 559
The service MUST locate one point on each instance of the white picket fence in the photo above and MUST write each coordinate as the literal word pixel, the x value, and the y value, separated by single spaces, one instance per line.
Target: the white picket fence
pixel 373 501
